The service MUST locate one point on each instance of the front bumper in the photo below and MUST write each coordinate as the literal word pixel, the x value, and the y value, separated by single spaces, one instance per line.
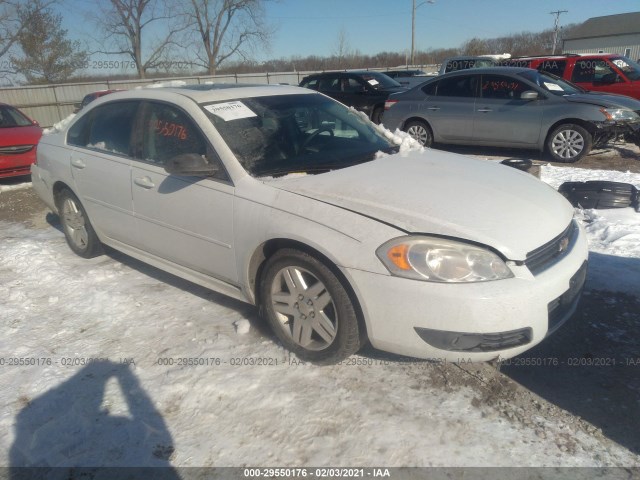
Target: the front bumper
pixel 475 321
pixel 14 165
pixel 608 131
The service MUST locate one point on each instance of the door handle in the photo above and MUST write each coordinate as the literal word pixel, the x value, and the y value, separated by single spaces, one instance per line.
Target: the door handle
pixel 144 182
pixel 485 110
pixel 78 163
pixel 433 109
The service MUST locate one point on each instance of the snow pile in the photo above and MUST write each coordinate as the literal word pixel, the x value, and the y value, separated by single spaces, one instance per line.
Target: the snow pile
pixel 613 234
pixel 189 380
pixel 60 126
pixel 406 142
pixel 556 176
pixel 17 186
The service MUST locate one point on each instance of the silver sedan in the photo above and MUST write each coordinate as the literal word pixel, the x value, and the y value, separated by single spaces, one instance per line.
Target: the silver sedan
pixel 512 107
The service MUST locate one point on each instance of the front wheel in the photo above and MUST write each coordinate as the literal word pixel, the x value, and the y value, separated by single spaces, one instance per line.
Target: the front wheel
pixel 420 131
pixel 568 143
pixel 80 235
pixel 308 308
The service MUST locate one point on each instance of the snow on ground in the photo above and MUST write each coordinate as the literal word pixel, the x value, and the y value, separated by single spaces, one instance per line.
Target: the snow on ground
pixel 16 186
pixel 614 234
pixel 186 379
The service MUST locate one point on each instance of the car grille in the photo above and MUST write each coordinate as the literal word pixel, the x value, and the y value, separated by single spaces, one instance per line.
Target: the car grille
pixel 15 149
pixel 551 252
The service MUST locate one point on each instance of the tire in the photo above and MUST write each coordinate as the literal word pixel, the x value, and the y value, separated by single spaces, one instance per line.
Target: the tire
pixel 568 143
pixel 420 131
pixel 308 308
pixel 80 235
pixel 376 115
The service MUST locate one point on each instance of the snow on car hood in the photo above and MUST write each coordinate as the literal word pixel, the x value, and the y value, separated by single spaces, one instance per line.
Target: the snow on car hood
pixel 445 194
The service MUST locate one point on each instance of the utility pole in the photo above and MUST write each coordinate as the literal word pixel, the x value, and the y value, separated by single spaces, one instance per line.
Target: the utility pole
pixel 557 13
pixel 413 27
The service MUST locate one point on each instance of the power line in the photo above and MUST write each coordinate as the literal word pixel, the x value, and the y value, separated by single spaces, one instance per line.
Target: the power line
pixel 557 13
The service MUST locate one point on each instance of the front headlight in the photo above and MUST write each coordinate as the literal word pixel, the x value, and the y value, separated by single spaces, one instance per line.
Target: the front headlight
pixel 435 259
pixel 620 114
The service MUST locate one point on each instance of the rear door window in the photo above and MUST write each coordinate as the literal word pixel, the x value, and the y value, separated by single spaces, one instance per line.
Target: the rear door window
pixel 106 128
pixel 460 86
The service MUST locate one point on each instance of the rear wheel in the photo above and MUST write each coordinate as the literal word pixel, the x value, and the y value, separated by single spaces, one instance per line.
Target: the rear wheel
pixel 308 308
pixel 568 143
pixel 80 235
pixel 420 131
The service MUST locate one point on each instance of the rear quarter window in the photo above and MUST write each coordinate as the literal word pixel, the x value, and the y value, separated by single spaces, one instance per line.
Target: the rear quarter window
pixel 106 128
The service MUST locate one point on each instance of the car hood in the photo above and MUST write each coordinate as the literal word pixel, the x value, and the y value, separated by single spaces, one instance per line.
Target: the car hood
pixel 605 100
pixel 20 136
pixel 445 194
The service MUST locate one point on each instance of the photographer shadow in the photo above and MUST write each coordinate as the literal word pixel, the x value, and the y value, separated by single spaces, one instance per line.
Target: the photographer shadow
pixel 71 431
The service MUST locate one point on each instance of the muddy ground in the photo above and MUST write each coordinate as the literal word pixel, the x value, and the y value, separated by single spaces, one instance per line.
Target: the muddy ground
pixel 586 376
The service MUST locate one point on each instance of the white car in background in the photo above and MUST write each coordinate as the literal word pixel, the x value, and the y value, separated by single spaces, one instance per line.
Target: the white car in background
pixel 280 197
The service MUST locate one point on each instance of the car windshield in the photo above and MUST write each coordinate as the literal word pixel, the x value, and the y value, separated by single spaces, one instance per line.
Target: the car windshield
pixel 551 83
pixel 281 134
pixel 10 117
pixel 630 68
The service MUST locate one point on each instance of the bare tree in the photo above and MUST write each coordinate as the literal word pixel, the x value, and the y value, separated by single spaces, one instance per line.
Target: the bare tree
pixel 341 48
pixel 127 25
pixel 47 54
pixel 227 28
pixel 12 25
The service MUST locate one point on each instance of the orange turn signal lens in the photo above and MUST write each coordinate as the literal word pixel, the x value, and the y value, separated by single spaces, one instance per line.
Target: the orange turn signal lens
pixel 399 255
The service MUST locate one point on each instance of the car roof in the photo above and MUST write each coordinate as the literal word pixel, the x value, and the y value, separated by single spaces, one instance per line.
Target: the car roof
pixel 470 57
pixel 354 72
pixel 491 70
pixel 210 92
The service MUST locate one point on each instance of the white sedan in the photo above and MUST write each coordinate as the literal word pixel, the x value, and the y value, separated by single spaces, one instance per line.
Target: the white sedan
pixel 286 199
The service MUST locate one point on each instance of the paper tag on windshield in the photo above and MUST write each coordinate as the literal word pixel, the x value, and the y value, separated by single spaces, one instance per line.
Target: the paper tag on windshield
pixel 553 86
pixel 373 82
pixel 230 110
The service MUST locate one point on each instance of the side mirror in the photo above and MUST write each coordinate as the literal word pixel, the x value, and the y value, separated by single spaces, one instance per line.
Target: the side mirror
pixel 35 123
pixel 529 95
pixel 190 164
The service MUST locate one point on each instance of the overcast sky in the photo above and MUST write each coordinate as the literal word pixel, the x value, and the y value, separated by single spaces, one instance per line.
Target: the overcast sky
pixel 310 27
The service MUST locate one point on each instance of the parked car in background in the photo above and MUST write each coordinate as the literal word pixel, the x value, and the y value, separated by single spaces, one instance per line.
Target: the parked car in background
pixel 363 90
pixel 278 196
pixel 513 107
pixel 19 136
pixel 408 78
pixel 464 62
pixel 599 72
pixel 91 97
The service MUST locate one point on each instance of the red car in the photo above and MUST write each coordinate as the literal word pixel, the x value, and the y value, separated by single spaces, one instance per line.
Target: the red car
pixel 19 136
pixel 600 72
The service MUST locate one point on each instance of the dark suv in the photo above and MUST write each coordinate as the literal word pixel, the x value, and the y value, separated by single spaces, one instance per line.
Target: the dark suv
pixel 363 90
